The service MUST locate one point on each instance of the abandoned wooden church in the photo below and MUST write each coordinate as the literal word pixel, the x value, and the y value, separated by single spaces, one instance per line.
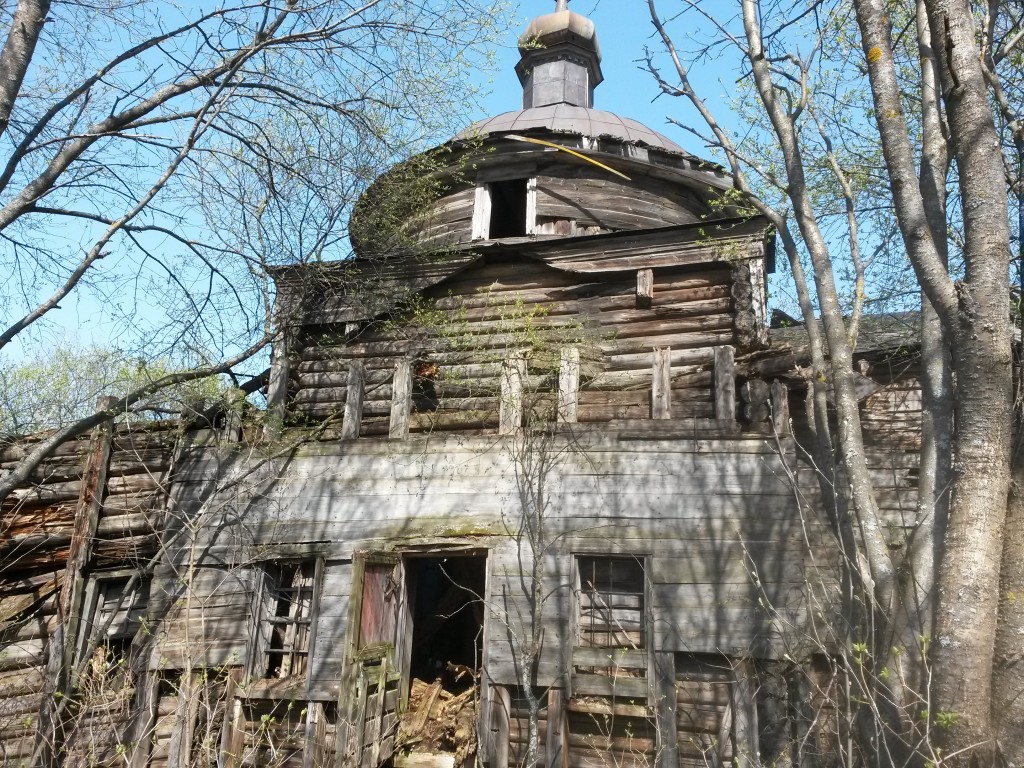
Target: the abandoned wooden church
pixel 527 487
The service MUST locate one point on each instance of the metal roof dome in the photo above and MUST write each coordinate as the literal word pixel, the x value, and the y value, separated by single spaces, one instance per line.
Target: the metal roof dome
pixel 567 118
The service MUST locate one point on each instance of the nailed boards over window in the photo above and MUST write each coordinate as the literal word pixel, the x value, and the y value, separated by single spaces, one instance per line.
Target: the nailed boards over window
pixel 505 208
pixel 611 601
pixel 286 625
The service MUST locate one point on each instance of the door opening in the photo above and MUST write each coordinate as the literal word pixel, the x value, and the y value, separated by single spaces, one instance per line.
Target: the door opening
pixel 446 595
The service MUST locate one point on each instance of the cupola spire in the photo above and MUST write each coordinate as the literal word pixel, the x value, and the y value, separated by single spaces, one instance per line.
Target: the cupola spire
pixel 560 60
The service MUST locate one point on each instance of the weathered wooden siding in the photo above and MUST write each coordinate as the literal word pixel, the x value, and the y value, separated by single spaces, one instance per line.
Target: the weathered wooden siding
pixel 726 544
pixel 38 521
pixel 471 321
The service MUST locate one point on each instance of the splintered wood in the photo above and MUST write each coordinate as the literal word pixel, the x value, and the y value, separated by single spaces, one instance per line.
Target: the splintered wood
pixel 439 724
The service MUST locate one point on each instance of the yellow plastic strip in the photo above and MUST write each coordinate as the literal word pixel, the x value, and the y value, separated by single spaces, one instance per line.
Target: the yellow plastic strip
pixel 572 152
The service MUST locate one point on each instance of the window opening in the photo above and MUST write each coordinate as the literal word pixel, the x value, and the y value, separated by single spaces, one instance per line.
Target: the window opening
pixel 424 392
pixel 508 209
pixel 288 594
pixel 118 615
pixel 611 602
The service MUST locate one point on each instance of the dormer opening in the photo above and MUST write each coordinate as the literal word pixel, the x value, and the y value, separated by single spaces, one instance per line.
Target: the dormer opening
pixel 508 208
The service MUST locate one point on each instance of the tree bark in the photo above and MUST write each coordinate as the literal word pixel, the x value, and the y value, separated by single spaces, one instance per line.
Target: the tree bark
pixel 26 26
pixel 974 314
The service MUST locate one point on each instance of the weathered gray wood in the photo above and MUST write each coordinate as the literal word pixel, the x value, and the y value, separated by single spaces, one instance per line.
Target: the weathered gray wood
pixel 354 400
pixel 744 710
pixel 661 384
pixel 501 709
pixel 510 419
pixel 780 409
pixel 644 288
pixel 557 753
pixel 665 710
pixel 280 361
pixel 481 212
pixel 568 384
pixel 725 383
pixel 401 400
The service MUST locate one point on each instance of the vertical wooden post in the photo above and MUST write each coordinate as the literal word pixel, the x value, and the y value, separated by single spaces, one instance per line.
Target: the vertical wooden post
pixel 725 383
pixel 401 400
pixel 744 717
pixel 568 384
pixel 644 288
pixel 500 713
pixel 354 400
pixel 481 212
pixel 665 704
pixel 780 408
pixel 510 414
pixel 557 751
pixel 277 388
pixel 233 418
pixel 531 205
pixel 661 384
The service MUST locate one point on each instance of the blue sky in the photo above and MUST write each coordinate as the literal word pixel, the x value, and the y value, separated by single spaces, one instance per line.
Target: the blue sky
pixel 623 29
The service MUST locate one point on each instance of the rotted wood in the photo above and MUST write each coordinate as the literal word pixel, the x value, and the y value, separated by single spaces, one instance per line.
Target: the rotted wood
pixel 661 384
pixel 354 395
pixel 644 288
pixel 756 394
pixel 568 384
pixel 725 383
pixel 401 400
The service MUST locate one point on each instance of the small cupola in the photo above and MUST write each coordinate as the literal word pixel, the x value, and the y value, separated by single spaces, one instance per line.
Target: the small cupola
pixel 560 60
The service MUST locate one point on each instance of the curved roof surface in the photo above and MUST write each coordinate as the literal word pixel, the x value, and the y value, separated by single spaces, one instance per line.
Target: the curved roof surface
pixel 565 118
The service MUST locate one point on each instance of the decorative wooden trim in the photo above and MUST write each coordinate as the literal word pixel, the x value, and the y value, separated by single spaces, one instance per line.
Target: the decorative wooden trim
pixel 725 383
pixel 661 384
pixel 401 400
pixel 510 415
pixel 568 385
pixel 644 288
pixel 354 395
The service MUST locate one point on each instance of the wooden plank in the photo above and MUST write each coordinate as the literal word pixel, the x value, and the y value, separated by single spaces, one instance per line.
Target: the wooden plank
pixel 644 288
pixel 354 400
pixel 277 388
pixel 661 384
pixel 568 384
pixel 401 400
pixel 510 419
pixel 481 213
pixel 725 383
pixel 624 658
pixel 665 710
pixel 745 728
pixel 557 753
pixel 603 685
pixel 780 409
pixel 500 713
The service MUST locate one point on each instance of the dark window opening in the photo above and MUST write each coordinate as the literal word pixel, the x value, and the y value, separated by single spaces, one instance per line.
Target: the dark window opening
pixel 446 594
pixel 118 616
pixel 611 603
pixel 288 606
pixel 424 392
pixel 508 209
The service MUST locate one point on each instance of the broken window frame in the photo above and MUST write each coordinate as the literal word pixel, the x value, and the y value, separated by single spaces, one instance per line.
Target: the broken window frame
pixel 99 630
pixel 483 201
pixel 269 595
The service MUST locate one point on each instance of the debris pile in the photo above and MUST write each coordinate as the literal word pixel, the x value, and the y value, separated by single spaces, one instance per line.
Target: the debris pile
pixel 439 721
